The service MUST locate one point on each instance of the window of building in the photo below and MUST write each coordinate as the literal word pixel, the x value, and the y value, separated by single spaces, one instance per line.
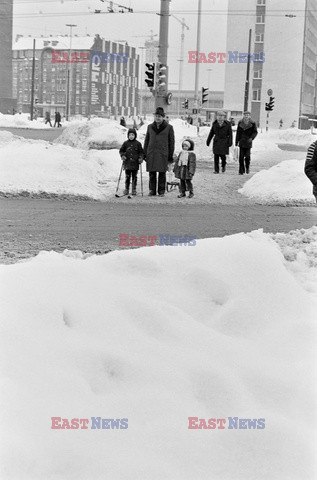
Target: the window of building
pixel 257 74
pixel 261 2
pixel 256 95
pixel 260 19
pixel 259 38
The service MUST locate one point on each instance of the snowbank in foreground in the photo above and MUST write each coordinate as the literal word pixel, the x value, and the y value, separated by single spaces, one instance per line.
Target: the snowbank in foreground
pixel 35 167
pixel 283 184
pixel 214 334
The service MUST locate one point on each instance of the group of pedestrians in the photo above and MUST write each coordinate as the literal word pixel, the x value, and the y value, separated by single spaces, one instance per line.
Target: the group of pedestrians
pixel 158 152
pixel 221 132
pixel 58 119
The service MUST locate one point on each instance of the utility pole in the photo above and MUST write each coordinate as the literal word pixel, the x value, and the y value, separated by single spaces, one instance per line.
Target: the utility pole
pixel 33 79
pixel 69 72
pixel 160 94
pixel 196 97
pixel 181 61
pixel 247 80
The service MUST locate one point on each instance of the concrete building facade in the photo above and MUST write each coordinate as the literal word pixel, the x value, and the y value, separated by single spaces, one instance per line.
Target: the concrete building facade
pixel 284 49
pixel 103 76
pixel 6 19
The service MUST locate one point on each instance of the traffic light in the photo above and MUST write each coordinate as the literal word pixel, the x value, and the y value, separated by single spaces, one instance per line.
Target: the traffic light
pixel 161 76
pixel 183 104
pixel 36 101
pixel 204 95
pixel 270 105
pixel 150 72
pixel 186 103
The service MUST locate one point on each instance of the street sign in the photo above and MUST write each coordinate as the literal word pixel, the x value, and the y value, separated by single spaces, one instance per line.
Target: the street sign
pixel 270 92
pixel 195 110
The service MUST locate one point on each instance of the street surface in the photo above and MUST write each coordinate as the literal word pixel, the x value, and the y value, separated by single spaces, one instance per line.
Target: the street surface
pixel 29 225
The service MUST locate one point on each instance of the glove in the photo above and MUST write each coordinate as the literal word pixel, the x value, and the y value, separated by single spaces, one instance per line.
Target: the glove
pixel 249 141
pixel 140 160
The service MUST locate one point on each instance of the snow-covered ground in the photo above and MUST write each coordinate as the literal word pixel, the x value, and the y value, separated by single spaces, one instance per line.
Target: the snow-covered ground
pixel 22 121
pixel 83 162
pixel 39 168
pixel 213 335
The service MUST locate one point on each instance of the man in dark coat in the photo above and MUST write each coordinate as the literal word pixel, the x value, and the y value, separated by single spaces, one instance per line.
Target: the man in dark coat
pixel 159 147
pixel 246 132
pixel 311 166
pixel 222 131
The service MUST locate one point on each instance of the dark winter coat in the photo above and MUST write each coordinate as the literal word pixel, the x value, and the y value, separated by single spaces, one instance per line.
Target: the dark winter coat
pixel 311 166
pixel 246 132
pixel 184 172
pixel 133 152
pixel 159 146
pixel 223 137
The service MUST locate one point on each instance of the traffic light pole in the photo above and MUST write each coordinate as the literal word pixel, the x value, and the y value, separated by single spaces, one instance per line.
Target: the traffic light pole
pixel 247 80
pixel 160 94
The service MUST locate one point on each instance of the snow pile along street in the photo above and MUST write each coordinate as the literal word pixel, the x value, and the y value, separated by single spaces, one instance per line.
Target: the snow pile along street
pixel 282 184
pixel 213 335
pixel 38 168
pixel 23 121
pixel 97 133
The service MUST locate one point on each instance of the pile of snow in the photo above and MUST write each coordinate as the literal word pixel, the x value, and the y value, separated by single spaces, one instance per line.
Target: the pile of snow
pixel 295 136
pixel 282 184
pixel 215 335
pixel 38 168
pixel 22 121
pixel 299 248
pixel 97 133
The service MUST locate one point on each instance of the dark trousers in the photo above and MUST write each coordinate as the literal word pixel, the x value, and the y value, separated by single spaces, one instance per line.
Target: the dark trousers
pixel 153 182
pixel 186 184
pixel 48 121
pixel 244 159
pixel 216 161
pixel 128 175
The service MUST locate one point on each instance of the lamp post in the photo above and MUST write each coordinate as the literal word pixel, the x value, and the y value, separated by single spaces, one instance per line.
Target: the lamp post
pixel 69 72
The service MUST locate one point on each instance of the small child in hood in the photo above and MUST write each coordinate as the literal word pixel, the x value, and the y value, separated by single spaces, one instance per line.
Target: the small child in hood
pixel 131 153
pixel 185 167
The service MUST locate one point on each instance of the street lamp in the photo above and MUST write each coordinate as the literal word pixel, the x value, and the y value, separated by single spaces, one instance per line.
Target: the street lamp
pixel 69 72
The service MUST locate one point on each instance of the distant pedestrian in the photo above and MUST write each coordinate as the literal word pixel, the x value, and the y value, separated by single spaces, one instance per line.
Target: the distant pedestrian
pixel 185 167
pixel 221 131
pixel 246 133
pixel 48 118
pixel 131 153
pixel 311 166
pixel 159 147
pixel 57 119
pixel 123 122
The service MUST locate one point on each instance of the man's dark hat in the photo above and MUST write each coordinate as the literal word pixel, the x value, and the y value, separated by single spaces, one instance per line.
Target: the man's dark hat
pixel 159 111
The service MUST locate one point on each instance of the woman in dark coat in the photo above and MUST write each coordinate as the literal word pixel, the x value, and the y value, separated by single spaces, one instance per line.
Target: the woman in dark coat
pixel 222 131
pixel 159 147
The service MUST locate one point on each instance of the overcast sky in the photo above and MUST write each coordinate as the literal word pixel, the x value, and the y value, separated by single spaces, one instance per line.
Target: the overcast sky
pixel 47 17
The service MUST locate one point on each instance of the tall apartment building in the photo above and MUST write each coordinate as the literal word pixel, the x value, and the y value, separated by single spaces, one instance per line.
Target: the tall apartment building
pixel 286 34
pixel 103 75
pixel 6 19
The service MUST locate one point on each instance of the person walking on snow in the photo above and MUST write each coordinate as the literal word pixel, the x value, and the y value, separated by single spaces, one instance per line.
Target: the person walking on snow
pixel 222 131
pixel 246 132
pixel 48 118
pixel 185 167
pixel 311 166
pixel 131 153
pixel 159 147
